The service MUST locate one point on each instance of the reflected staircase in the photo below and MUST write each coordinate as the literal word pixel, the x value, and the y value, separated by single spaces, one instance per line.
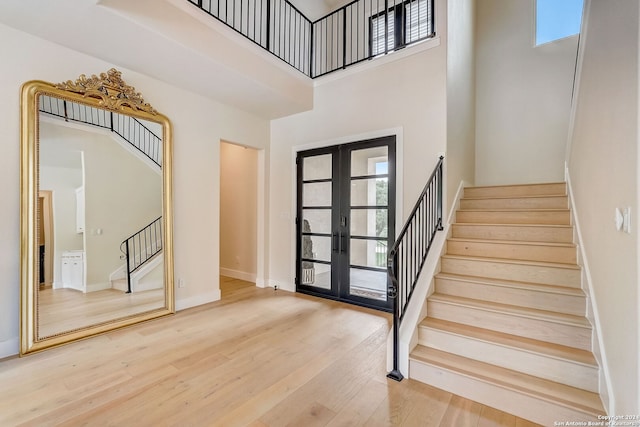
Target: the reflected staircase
pixel 506 325
pixel 142 250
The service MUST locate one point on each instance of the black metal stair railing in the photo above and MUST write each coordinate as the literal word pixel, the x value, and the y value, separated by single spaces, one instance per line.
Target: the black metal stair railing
pixel 409 253
pixel 365 29
pixel 141 247
pixel 275 25
pixel 128 128
pixel 356 32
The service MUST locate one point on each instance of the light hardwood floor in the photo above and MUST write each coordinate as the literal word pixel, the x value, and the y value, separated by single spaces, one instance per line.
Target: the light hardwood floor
pixel 257 357
pixel 63 310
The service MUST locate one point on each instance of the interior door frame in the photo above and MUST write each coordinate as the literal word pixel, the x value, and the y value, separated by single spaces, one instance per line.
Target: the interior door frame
pixel 47 229
pixel 341 214
pixel 290 214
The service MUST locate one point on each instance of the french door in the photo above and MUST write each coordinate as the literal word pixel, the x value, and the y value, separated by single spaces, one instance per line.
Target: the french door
pixel 345 221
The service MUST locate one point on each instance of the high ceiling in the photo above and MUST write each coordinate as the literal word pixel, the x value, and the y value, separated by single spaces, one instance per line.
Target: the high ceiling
pixel 169 40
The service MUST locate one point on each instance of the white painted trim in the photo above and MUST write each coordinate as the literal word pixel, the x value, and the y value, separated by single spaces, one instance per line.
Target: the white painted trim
pixel 606 390
pixel 262 226
pixel 183 304
pixel 93 287
pixel 262 245
pixel 456 203
pixel 236 274
pixel 582 42
pixel 289 287
pixel 398 132
pixel 377 61
pixel 9 347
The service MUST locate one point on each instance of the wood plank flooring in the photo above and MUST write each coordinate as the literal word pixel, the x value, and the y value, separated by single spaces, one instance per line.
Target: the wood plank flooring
pixel 62 310
pixel 258 357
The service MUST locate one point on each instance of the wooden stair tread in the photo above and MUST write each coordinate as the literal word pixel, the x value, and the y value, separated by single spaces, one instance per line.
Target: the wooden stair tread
pixel 550 391
pixel 514 210
pixel 528 197
pixel 548 188
pixel 554 289
pixel 531 313
pixel 513 242
pixel 507 340
pixel 511 261
pixel 493 224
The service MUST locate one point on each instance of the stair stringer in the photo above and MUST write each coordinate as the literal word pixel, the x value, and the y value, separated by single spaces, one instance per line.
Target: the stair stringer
pixel 119 275
pixel 415 311
pixel 569 403
pixel 606 391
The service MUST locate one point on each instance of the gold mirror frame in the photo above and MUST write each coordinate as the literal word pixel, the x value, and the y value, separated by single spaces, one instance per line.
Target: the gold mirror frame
pixel 109 92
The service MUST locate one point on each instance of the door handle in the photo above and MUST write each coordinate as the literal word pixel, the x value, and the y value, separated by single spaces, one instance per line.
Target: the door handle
pixel 336 242
pixel 343 243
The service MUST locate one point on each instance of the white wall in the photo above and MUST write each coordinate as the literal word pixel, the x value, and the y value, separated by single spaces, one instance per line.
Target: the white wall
pixel 198 123
pixel 603 168
pixel 238 211
pixel 523 96
pixel 407 94
pixel 461 113
pixel 122 194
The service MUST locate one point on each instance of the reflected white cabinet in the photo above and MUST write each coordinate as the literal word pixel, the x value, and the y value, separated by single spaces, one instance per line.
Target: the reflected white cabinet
pixel 73 270
pixel 80 209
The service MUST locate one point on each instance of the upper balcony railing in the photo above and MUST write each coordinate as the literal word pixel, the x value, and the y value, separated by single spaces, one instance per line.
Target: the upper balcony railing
pixel 358 31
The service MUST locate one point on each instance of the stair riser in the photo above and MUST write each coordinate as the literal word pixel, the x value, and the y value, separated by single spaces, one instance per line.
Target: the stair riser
pixel 521 297
pixel 538 329
pixel 506 217
pixel 513 232
pixel 518 403
pixel 550 368
pixel 517 272
pixel 557 202
pixel 556 189
pixel 523 252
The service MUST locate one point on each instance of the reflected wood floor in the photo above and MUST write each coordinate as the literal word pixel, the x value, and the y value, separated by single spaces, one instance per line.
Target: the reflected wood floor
pixel 63 310
pixel 257 357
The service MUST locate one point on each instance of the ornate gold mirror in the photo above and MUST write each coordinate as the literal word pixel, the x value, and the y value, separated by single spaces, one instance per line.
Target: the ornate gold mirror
pixel 96 210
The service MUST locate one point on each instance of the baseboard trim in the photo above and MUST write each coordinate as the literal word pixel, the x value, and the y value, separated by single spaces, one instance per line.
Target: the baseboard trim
pixel 98 286
pixel 184 303
pixel 9 348
pixel 237 274
pixel 606 391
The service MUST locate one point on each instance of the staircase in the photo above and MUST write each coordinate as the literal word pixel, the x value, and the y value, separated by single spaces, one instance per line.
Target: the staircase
pixel 506 324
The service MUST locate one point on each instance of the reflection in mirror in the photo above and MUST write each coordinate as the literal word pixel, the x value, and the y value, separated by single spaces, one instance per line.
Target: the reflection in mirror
pixel 102 252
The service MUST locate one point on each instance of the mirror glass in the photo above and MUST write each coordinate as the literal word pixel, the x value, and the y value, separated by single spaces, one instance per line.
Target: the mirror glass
pixel 96 186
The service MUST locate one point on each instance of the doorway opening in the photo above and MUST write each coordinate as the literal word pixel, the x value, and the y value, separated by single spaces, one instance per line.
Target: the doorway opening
pixel 238 217
pixel 45 238
pixel 345 221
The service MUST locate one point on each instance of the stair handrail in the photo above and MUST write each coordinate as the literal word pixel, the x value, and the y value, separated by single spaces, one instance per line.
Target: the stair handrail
pixel 141 247
pixel 409 253
pixel 341 38
pixel 146 142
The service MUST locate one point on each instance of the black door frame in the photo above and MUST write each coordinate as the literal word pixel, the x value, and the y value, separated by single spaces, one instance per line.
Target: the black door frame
pixel 340 217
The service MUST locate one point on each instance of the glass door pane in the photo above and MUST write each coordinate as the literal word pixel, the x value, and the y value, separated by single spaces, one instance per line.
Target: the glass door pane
pixel 344 220
pixel 369 225
pixel 315 239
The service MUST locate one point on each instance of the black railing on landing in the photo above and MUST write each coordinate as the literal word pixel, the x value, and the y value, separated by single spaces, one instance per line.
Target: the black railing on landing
pixel 275 25
pixel 409 253
pixel 128 128
pixel 141 247
pixel 358 31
